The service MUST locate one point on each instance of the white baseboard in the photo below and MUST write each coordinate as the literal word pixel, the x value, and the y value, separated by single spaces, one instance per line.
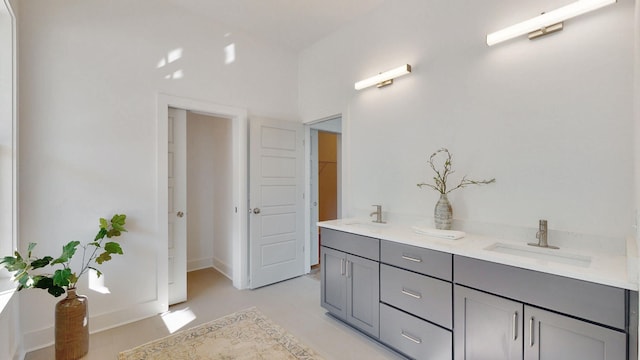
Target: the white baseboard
pixel 198 264
pixel 223 267
pixel 42 338
pixel 38 339
pixel 19 354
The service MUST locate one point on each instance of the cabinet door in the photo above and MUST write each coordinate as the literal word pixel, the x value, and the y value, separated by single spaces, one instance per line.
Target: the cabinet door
pixel 550 336
pixel 333 284
pixel 486 326
pixel 363 294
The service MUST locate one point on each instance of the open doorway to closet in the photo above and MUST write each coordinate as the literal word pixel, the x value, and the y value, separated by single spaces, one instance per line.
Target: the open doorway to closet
pixel 173 211
pixel 209 195
pixel 325 177
pixel 200 196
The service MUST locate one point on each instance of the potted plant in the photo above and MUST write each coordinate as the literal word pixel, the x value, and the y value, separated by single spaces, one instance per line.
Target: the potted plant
pixel 71 320
pixel 443 213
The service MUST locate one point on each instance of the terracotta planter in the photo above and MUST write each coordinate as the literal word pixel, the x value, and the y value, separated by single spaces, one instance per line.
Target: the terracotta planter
pixel 443 213
pixel 72 327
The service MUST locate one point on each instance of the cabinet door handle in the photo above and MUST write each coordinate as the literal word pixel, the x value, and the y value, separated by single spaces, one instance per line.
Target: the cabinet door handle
pixel 410 337
pixel 531 328
pixel 342 267
pixel 413 294
pixel 349 270
pixel 411 258
pixel 515 326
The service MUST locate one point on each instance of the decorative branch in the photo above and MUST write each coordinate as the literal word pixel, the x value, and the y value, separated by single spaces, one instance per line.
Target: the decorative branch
pixel 442 176
pixel 464 182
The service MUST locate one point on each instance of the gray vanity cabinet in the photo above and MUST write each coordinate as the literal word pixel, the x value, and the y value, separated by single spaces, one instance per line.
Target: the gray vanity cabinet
pixel 350 284
pixel 429 304
pixel 363 294
pixel 416 300
pixel 334 282
pixel 508 322
pixel 486 326
pixel 549 335
pixel 492 327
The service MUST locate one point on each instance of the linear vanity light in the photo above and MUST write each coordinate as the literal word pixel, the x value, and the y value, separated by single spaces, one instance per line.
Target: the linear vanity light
pixel 548 22
pixel 385 78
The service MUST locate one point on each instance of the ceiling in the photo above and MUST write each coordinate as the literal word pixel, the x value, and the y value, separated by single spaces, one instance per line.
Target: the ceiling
pixel 294 24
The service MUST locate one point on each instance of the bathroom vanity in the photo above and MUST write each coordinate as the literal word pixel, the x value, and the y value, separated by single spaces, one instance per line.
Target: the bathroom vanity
pixel 431 298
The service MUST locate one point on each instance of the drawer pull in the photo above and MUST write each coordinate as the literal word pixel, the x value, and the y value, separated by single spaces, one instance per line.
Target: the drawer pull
pixel 413 294
pixel 411 258
pixel 410 337
pixel 515 326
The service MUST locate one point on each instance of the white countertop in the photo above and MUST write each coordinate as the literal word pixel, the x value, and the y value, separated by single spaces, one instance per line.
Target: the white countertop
pixel 608 269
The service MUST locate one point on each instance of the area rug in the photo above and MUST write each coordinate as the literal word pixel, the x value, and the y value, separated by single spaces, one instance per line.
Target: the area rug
pixel 244 335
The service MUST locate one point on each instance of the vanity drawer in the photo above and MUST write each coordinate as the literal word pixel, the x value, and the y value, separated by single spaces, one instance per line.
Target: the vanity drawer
pixel 362 246
pixel 412 336
pixel 423 296
pixel 425 261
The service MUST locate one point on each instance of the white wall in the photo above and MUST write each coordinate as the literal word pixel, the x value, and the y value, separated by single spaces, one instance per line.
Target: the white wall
pixel 200 188
pixel 6 131
pixel 637 116
pixel 550 119
pixel 637 127
pixel 9 301
pixel 223 197
pixel 90 72
pixel 209 196
pixel 637 119
pixel 9 325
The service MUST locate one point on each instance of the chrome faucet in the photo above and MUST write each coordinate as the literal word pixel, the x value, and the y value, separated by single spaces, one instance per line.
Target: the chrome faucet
pixel 541 235
pixel 378 214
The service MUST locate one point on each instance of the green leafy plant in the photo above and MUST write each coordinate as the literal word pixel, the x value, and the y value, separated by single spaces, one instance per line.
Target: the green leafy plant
pixel 441 177
pixel 29 271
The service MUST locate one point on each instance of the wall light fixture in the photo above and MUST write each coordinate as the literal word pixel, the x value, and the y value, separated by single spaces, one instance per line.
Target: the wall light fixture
pixel 383 79
pixel 548 22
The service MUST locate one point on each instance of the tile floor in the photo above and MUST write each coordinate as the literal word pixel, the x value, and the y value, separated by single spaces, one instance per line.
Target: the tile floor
pixel 293 304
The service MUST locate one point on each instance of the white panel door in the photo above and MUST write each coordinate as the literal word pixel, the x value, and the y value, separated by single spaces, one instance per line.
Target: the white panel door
pixel 177 224
pixel 276 175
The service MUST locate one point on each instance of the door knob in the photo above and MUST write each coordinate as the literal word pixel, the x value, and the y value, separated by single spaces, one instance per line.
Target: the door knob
pixel 256 211
pixel 179 214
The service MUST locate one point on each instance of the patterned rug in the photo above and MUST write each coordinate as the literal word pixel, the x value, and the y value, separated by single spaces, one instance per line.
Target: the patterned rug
pixel 246 335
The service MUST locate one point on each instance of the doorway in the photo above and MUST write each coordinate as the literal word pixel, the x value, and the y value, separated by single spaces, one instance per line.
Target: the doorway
pixel 209 198
pixel 325 178
pixel 239 182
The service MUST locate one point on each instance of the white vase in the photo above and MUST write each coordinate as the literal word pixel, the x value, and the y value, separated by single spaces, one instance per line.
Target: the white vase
pixel 443 213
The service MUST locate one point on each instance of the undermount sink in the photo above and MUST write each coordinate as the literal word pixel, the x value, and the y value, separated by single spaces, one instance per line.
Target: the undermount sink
pixel 532 252
pixel 366 225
